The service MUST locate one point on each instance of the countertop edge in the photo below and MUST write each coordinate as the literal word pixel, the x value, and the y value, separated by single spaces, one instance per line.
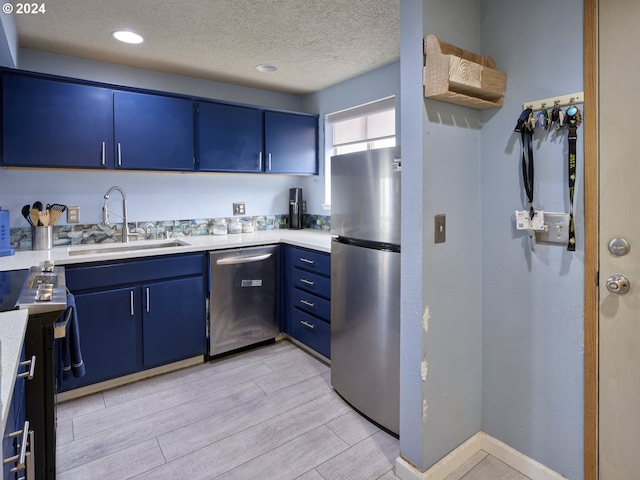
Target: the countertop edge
pixel 319 240
pixel 13 326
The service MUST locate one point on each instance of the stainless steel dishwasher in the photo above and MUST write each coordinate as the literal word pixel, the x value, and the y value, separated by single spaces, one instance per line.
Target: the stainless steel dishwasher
pixel 243 297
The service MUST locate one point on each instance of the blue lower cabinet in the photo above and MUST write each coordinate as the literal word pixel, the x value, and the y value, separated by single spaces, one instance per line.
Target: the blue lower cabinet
pixel 156 319
pixel 312 331
pixel 307 292
pixel 170 327
pixel 109 335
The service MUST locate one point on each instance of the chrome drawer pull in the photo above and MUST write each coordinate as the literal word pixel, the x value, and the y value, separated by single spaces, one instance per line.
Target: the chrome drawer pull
pixel 307 324
pixel 308 282
pixel 104 153
pixel 21 458
pixel 148 300
pixel 307 303
pixel 131 306
pixel 306 260
pixel 32 368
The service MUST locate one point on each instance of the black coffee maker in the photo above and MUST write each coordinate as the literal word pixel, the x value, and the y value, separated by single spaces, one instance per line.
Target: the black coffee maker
pixel 295 208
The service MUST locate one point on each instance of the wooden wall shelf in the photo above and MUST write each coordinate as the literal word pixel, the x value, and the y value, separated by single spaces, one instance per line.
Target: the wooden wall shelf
pixel 456 76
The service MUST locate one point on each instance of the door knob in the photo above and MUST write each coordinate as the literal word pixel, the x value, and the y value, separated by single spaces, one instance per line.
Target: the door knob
pixel 618 283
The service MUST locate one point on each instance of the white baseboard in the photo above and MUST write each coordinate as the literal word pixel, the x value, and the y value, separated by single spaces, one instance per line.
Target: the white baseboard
pixel 478 442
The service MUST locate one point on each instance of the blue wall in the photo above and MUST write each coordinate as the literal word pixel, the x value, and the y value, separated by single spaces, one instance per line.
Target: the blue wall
pixel 441 303
pixel 503 347
pixel 532 304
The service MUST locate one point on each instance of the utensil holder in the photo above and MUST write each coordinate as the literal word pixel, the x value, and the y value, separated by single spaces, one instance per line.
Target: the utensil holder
pixel 42 238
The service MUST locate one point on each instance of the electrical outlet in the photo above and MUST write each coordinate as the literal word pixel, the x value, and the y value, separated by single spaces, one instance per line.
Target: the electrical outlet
pixel 73 214
pixel 238 208
pixel 304 206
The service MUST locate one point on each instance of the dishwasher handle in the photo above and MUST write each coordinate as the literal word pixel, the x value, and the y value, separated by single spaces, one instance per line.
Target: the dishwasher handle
pixel 238 260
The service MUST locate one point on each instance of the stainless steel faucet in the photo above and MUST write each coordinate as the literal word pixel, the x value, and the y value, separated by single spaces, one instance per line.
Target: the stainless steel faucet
pixel 105 212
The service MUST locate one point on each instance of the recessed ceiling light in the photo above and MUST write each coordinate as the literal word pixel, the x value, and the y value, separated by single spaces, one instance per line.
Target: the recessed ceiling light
pixel 267 68
pixel 127 37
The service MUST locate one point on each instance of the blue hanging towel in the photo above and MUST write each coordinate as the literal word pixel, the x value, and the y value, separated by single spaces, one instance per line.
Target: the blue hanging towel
pixel 71 355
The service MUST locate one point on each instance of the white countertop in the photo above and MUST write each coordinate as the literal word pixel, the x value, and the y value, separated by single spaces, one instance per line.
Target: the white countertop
pixel 314 239
pixel 13 325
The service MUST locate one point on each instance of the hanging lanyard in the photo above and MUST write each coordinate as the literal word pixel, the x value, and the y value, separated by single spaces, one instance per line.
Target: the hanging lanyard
pixel 573 122
pixel 525 127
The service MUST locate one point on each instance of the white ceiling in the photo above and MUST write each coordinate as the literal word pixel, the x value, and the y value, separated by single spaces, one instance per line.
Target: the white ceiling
pixel 316 43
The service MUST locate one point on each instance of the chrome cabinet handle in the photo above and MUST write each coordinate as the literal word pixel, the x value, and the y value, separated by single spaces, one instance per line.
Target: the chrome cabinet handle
pixel 238 260
pixel 104 153
pixel 260 161
pixel 306 260
pixel 119 155
pixel 307 282
pixel 131 302
pixel 307 303
pixel 269 161
pixel 147 300
pixel 307 324
pixel 20 459
pixel 32 368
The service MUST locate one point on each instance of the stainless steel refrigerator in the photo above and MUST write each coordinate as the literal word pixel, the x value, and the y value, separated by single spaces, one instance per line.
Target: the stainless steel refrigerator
pixel 365 283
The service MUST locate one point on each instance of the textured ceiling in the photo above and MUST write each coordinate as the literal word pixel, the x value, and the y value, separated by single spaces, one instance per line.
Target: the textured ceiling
pixel 316 43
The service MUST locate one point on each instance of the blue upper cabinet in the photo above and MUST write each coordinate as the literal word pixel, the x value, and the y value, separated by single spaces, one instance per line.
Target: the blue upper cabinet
pixel 230 138
pixel 51 122
pixel 153 132
pixel 47 123
pixel 291 143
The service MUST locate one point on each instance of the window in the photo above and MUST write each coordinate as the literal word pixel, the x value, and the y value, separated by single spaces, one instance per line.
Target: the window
pixel 360 128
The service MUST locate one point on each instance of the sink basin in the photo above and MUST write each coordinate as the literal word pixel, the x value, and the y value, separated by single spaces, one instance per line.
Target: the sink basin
pixel 126 247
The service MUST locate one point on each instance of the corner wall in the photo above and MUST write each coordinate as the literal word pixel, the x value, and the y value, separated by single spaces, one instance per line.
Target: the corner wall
pixel 441 301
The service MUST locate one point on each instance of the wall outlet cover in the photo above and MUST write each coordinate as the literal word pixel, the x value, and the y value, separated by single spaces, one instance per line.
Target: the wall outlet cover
pixel 238 208
pixel 73 214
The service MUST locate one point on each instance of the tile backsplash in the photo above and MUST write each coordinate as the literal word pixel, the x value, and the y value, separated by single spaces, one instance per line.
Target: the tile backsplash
pixel 84 234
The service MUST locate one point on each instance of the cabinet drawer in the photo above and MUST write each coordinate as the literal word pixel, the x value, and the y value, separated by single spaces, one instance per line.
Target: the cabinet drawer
pixel 311 282
pixel 100 275
pixel 313 332
pixel 311 261
pixel 312 304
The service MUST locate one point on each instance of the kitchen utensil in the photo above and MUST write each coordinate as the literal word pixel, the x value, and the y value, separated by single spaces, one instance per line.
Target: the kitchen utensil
pixel 35 218
pixel 37 206
pixel 44 218
pixel 57 207
pixel 25 213
pixel 54 216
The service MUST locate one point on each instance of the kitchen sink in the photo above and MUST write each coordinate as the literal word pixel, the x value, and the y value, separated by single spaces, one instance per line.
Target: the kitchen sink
pixel 128 247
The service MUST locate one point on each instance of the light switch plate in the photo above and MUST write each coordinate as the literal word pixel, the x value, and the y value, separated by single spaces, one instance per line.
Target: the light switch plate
pixel 439 229
pixel 556 229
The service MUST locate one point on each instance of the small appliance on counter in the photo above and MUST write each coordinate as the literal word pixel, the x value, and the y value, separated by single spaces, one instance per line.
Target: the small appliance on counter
pixel 5 234
pixel 295 208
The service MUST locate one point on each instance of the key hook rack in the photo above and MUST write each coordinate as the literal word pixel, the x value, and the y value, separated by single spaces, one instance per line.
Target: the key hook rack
pixel 561 101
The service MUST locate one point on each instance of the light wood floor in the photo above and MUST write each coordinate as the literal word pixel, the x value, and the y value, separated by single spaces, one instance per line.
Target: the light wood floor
pixel 269 413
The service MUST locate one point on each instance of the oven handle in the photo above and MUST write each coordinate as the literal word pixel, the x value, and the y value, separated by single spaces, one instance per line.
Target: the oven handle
pixel 60 328
pixel 238 260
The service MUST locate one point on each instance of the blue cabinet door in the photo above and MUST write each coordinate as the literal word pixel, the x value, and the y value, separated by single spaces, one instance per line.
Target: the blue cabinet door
pixel 229 138
pixel 291 143
pixel 108 323
pixel 173 320
pixel 153 132
pixel 48 123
